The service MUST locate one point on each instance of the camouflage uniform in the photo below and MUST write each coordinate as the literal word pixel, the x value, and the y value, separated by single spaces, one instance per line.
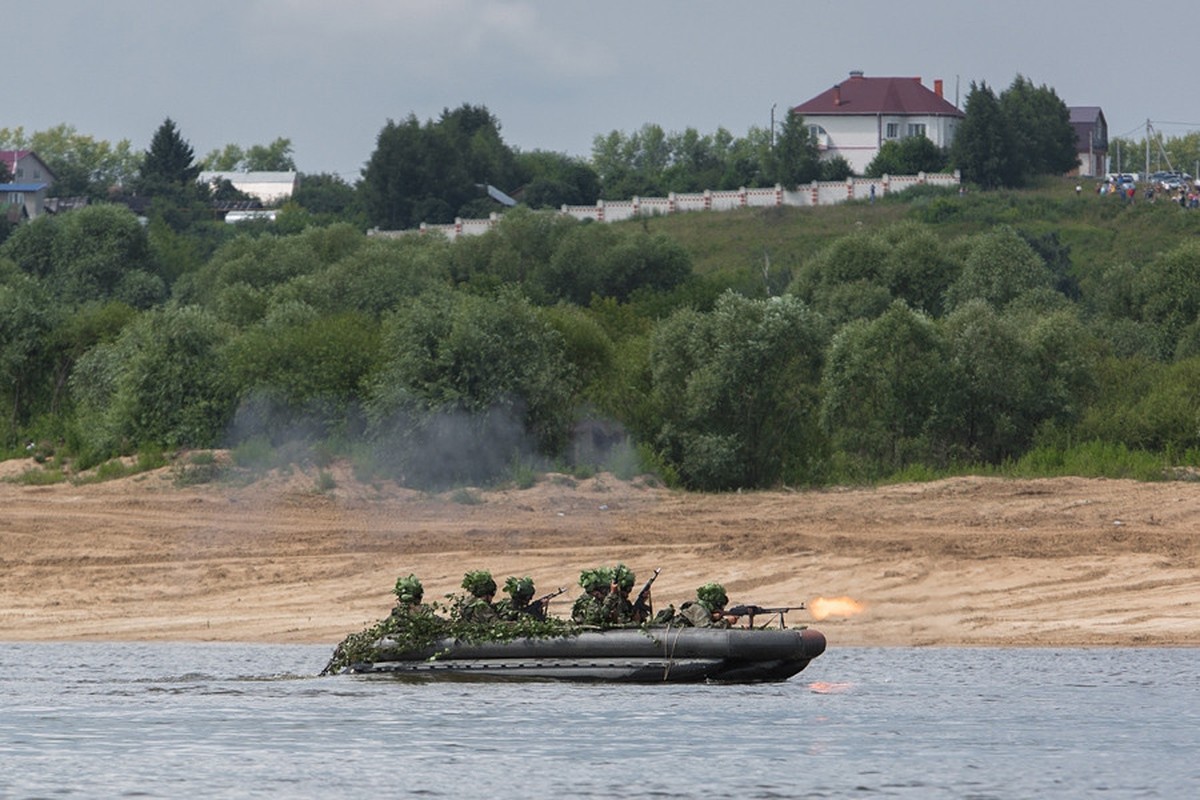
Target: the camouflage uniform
pixel 478 607
pixel 710 598
pixel 616 608
pixel 408 593
pixel 520 592
pixel 589 608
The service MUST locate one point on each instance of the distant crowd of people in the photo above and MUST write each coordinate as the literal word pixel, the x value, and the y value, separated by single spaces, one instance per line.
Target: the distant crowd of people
pixel 606 601
pixel 1183 196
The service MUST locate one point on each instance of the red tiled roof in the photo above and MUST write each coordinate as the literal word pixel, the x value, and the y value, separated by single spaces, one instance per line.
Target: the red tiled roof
pixel 862 95
pixel 11 157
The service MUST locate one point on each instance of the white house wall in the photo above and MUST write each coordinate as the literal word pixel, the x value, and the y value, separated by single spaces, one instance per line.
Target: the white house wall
pixel 858 138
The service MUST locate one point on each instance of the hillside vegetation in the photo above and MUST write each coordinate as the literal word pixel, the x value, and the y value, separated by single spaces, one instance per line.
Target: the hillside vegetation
pixel 1036 332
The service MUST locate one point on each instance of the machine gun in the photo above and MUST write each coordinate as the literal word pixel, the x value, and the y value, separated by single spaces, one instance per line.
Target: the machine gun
pixel 642 609
pixel 751 611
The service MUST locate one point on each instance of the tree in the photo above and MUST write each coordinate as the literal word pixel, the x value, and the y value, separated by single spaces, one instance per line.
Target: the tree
pixel 1000 266
pixel 1040 126
pixel 907 156
pixel 796 159
pixel 273 157
pixel 883 391
pixel 467 385
pixel 552 180
pixel 736 393
pixel 983 148
pixel 163 381
pixel 602 261
pixel 169 163
pixel 27 317
pixel 434 172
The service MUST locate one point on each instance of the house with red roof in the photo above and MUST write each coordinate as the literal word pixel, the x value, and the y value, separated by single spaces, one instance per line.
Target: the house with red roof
pixel 853 119
pixel 25 167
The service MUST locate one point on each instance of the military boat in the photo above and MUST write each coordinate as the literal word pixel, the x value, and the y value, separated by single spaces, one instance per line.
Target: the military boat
pixel 632 655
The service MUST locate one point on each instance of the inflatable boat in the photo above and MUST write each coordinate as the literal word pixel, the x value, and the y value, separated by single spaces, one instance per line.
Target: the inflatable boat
pixel 632 655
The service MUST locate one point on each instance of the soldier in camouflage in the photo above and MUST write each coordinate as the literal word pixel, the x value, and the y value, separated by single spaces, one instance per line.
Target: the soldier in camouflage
pixel 520 593
pixel 478 606
pixel 589 608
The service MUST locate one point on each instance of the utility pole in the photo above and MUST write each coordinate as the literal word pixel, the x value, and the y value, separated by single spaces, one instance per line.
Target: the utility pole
pixel 773 126
pixel 1146 174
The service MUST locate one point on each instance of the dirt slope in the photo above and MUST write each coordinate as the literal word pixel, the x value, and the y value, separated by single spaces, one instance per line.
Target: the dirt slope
pixel 954 562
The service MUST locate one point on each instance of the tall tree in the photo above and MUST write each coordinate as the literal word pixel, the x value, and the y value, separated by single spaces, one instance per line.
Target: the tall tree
pixel 796 159
pixel 170 161
pixel 983 148
pixel 435 171
pixel 1040 125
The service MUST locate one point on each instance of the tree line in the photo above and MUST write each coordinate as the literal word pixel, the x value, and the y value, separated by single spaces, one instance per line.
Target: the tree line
pixel 551 343
pixel 438 169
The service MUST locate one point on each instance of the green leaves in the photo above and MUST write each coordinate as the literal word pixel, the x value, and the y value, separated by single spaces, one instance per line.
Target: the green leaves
pixel 735 390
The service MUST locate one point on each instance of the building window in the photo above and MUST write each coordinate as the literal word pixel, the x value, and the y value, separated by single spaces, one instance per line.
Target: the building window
pixel 893 130
pixel 916 129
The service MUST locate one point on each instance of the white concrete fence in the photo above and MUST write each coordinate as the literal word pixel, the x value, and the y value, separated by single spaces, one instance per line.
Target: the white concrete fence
pixel 815 194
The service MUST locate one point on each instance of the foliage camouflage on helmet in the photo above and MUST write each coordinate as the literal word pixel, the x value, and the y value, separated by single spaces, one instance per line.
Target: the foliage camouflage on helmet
pixel 479 583
pixel 409 590
pixel 519 588
pixel 712 595
pixel 597 578
pixel 623 577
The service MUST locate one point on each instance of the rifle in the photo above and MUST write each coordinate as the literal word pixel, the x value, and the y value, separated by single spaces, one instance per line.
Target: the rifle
pixel 545 599
pixel 642 606
pixel 750 610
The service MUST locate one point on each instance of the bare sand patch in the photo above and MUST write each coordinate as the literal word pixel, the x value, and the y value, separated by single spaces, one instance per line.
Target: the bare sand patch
pixel 964 561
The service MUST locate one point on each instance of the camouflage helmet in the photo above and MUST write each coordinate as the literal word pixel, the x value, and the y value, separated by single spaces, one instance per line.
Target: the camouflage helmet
pixel 594 579
pixel 622 576
pixel 479 583
pixel 409 590
pixel 519 589
pixel 712 595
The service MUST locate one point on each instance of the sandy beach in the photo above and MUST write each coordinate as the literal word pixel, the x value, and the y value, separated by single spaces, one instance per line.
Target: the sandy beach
pixel 958 562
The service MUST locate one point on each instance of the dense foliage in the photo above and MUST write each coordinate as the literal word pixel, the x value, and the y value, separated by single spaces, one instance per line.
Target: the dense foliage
pixel 925 332
pixel 1011 139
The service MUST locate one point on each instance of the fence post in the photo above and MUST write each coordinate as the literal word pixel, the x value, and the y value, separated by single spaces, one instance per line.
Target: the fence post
pixel 816 194
pixel 599 211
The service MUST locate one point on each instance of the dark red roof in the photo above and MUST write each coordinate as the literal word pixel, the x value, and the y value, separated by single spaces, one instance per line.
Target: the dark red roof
pixel 859 94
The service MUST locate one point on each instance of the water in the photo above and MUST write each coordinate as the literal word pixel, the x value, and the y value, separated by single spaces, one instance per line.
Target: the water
pixel 120 720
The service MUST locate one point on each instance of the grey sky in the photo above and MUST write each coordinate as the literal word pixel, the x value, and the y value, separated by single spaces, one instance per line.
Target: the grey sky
pixel 328 75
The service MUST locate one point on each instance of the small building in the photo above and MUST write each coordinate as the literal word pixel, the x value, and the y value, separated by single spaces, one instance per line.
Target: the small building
pixel 271 188
pixel 1091 140
pixel 22 201
pixel 853 119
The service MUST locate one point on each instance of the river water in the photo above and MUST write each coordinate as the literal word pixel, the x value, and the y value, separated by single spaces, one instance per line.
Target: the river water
pixel 184 720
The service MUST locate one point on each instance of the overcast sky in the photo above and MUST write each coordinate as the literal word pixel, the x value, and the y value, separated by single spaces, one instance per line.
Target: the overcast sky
pixel 328 75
